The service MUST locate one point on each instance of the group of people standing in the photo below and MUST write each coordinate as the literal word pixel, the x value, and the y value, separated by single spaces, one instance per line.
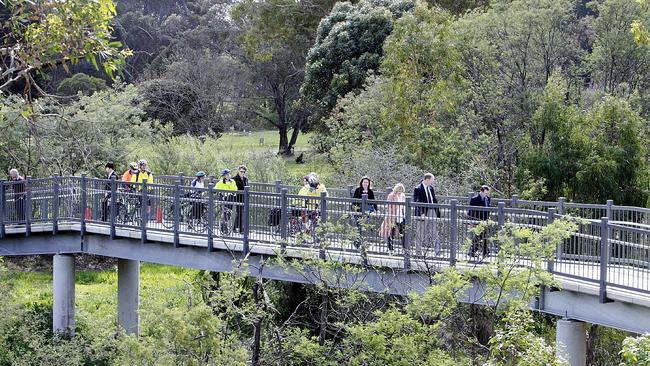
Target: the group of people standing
pixel 391 230
pixel 426 232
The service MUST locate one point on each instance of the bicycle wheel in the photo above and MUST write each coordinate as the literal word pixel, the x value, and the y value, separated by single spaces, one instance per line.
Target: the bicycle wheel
pixel 122 214
pixel 294 226
pixel 226 222
pixel 168 219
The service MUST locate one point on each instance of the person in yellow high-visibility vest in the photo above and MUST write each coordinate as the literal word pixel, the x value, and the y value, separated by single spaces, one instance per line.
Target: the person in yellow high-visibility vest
pixel 139 177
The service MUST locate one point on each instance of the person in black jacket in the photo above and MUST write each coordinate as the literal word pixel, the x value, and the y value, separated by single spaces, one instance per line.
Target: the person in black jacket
pixel 426 229
pixel 110 174
pixel 242 181
pixel 364 188
pixel 482 199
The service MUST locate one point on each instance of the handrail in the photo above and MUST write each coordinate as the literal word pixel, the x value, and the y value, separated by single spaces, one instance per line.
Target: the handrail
pixel 252 217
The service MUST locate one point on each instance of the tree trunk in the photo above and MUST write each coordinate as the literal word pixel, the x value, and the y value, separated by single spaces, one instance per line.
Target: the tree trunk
pixel 294 137
pixel 323 317
pixel 284 148
pixel 257 341
pixel 592 337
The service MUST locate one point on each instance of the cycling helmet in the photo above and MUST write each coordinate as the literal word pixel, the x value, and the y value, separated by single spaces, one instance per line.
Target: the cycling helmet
pixel 313 181
pixel 133 165
pixel 225 171
pixel 200 174
pixel 142 162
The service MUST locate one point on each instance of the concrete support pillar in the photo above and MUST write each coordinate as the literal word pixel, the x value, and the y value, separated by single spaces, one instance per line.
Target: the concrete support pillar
pixel 571 341
pixel 128 294
pixel 63 288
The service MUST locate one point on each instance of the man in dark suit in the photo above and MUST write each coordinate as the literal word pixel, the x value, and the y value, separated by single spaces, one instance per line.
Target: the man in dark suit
pixel 482 199
pixel 242 181
pixel 426 229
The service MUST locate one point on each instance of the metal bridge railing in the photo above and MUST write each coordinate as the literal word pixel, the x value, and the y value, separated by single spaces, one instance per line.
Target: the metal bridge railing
pixel 611 247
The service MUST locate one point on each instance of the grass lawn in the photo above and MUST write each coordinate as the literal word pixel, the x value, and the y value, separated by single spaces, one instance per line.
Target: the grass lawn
pixel 96 293
pixel 262 141
pixel 269 140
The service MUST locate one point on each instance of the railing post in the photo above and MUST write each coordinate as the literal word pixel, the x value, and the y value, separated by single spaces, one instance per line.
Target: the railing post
pixel 278 186
pixel 113 208
pixel 453 231
pixel 245 219
pixel 177 212
pixel 28 208
pixel 181 178
pixel 604 259
pixel 211 217
pixel 560 205
pixel 350 190
pixel 323 219
pixel 84 204
pixel 407 233
pixel 558 249
pixel 501 212
pixel 3 204
pixel 283 217
pixel 610 203
pixel 56 203
pixel 144 214
pixel 514 201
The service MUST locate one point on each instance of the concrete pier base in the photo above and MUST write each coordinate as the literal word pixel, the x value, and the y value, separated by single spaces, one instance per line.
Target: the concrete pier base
pixel 63 288
pixel 571 341
pixel 128 295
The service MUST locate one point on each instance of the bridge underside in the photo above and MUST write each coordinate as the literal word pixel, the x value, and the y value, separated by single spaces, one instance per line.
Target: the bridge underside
pixel 577 300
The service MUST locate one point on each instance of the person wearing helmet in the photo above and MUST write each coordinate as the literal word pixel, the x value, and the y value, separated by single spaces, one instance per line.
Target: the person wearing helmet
pixel 313 188
pixel 133 168
pixel 197 206
pixel 225 183
pixel 199 181
pixel 142 173
pixel 229 185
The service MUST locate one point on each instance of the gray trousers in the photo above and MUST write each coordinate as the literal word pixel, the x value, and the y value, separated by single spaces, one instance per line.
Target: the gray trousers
pixel 426 234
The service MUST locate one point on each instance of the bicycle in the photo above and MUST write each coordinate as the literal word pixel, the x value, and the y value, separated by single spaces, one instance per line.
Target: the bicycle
pixel 225 219
pixel 128 211
pixel 192 212
pixel 303 221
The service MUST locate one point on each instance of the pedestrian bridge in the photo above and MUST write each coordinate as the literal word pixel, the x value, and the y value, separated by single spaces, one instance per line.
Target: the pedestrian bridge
pixel 603 269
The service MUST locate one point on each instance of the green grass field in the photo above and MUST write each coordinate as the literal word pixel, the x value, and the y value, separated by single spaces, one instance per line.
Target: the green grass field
pixel 96 293
pixel 268 141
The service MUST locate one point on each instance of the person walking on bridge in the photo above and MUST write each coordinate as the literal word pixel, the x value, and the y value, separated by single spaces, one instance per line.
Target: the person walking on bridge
pixel 313 187
pixel 139 177
pixel 142 173
pixel 127 175
pixel 242 181
pixel 110 174
pixel 426 229
pixel 19 194
pixel 482 199
pixel 392 229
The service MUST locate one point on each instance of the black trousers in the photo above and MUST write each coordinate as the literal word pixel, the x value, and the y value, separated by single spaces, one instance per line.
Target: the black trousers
pixel 479 242
pixel 239 219
pixel 394 237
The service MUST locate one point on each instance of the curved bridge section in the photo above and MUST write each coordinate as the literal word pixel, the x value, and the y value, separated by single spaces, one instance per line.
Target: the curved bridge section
pixel 604 268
